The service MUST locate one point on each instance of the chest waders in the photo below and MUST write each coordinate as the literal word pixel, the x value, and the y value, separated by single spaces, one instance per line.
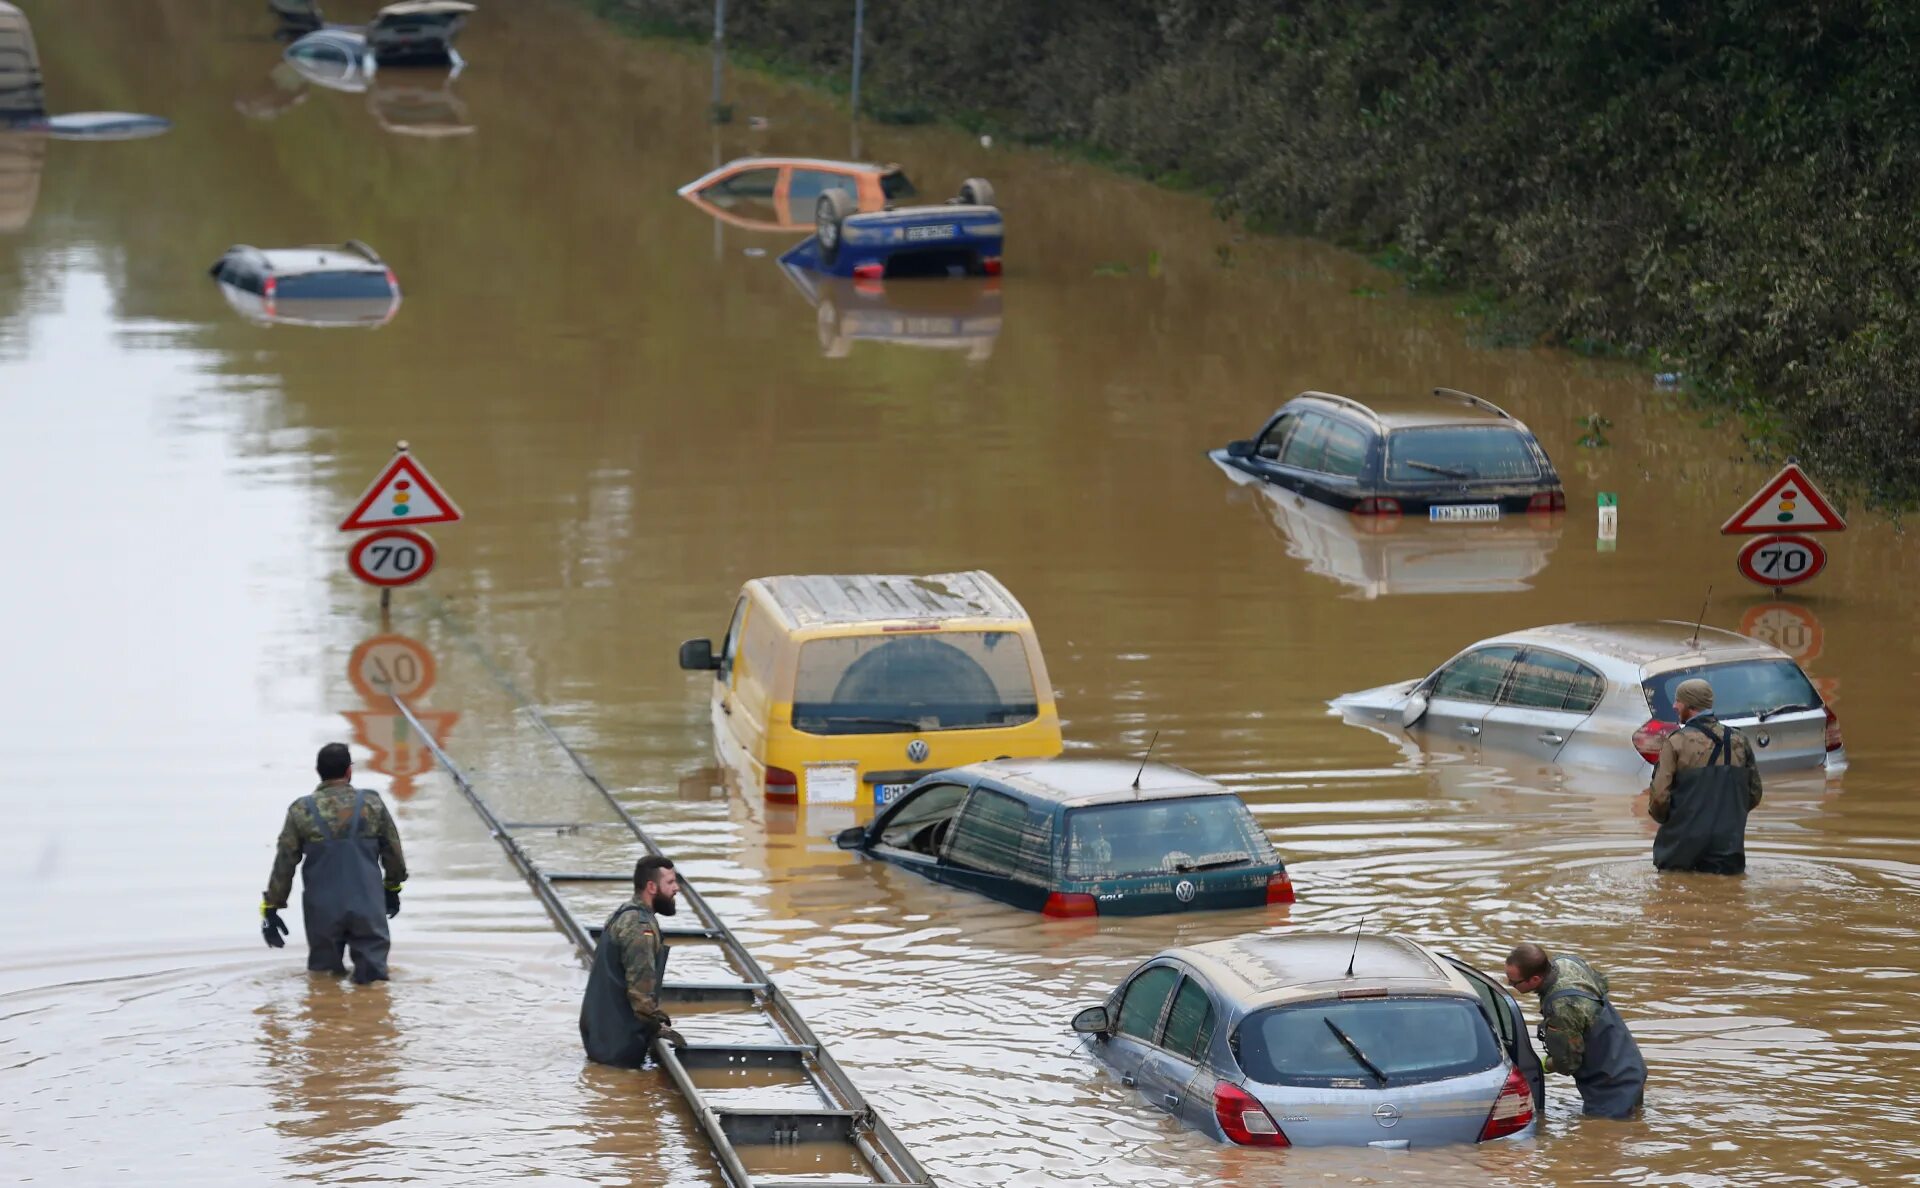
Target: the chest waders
pixel 1706 826
pixel 608 1028
pixel 341 898
pixel 1612 1077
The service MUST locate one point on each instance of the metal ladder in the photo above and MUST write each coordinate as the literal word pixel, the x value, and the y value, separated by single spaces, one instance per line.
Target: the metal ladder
pixel 846 1118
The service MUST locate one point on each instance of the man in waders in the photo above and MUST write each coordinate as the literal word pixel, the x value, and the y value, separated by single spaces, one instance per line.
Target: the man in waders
pixel 1579 1028
pixel 346 836
pixel 1703 787
pixel 620 1015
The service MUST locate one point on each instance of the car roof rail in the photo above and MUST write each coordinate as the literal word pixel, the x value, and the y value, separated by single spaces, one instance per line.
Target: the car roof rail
pixel 1344 402
pixel 1476 401
pixel 360 249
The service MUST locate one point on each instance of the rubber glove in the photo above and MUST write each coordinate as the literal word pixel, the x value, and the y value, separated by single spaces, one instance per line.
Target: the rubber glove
pixel 272 928
pixel 673 1037
pixel 393 900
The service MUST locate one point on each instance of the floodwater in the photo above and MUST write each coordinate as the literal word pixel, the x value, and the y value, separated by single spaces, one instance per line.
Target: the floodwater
pixel 637 410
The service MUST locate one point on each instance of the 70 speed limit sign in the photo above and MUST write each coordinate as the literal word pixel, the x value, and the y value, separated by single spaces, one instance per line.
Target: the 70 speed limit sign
pixel 392 557
pixel 1781 560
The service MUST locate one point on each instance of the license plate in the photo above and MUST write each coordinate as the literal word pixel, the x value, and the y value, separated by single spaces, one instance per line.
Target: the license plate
pixel 885 794
pixel 944 231
pixel 1471 512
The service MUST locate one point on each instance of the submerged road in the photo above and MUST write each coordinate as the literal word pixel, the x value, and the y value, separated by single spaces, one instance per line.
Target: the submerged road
pixel 637 411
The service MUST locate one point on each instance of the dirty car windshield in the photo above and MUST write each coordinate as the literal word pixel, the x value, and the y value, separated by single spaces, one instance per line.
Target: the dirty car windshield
pixel 1740 689
pixel 1410 1039
pixel 886 684
pixel 1150 836
pixel 1460 452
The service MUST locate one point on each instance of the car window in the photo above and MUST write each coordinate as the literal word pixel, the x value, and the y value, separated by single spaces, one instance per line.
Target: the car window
pixel 925 806
pixel 1411 1040
pixel 747 185
pixel 1346 450
pixel 1274 439
pixel 804 187
pixel 1548 680
pixel 1190 1022
pixel 732 642
pixel 1741 688
pixel 990 834
pixel 1146 996
pixel 890 683
pixel 1492 453
pixel 321 51
pixel 1307 447
pixel 1492 1001
pixel 1475 676
pixel 332 285
pixel 1154 836
pixel 895 186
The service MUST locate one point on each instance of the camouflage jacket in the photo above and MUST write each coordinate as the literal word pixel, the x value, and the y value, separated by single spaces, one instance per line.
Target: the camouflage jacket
pixel 1691 747
pixel 1564 1023
pixel 335 800
pixel 637 946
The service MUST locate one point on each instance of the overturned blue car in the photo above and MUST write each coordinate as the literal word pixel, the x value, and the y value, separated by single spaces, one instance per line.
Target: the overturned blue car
pixel 960 237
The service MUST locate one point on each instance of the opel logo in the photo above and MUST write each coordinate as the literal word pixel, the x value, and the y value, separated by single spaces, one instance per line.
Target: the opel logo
pixel 1764 738
pixel 1387 1114
pixel 917 750
pixel 1183 890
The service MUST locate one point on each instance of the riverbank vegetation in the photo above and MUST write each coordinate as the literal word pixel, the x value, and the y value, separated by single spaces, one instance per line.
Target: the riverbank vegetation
pixel 1724 188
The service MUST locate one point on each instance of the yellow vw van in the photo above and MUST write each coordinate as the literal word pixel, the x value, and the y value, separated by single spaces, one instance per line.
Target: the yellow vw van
pixel 845 690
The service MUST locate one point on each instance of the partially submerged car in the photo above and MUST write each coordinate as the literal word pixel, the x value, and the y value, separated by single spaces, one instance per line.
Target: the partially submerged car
pixel 1601 695
pixel 961 238
pixel 1450 457
pixel 410 33
pixel 1081 837
pixel 961 316
pixel 780 193
pixel 1318 1039
pixel 336 285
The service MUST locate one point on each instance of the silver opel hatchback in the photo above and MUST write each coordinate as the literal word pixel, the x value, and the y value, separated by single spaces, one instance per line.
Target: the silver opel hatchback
pixel 1320 1039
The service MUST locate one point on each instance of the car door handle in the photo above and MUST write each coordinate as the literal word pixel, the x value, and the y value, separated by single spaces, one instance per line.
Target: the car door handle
pixel 1171 1100
pixel 1127 1080
pixel 1469 728
pixel 1552 737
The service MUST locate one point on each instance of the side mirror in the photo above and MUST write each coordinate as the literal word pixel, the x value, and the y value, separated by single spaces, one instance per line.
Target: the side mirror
pixel 1240 449
pixel 1415 708
pixel 1093 1021
pixel 696 655
pixel 851 838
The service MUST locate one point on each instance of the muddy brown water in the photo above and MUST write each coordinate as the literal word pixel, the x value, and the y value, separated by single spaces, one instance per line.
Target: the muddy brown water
pixel 637 411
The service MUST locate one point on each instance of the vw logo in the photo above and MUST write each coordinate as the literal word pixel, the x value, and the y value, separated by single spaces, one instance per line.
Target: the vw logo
pixel 1183 890
pixel 1763 738
pixel 917 750
pixel 1387 1114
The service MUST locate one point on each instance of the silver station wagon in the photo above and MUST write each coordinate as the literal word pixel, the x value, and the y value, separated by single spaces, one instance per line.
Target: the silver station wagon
pixel 1601 695
pixel 1320 1039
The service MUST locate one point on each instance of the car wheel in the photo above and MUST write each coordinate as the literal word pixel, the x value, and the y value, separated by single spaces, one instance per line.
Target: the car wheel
pixel 828 216
pixel 976 191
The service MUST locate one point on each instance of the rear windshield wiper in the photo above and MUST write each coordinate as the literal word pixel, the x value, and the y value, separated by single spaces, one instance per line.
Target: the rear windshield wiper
pixel 1347 1040
pixel 903 723
pixel 1211 862
pixel 1449 471
pixel 1763 715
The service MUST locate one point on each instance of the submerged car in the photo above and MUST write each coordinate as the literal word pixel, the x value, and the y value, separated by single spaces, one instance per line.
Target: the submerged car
pixel 960 316
pixel 1450 457
pixel 411 33
pixel 960 238
pixel 1319 1039
pixel 1081 837
pixel 1601 695
pixel 337 285
pixel 780 193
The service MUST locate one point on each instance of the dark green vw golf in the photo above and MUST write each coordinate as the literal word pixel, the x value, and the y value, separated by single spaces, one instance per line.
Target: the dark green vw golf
pixel 1080 837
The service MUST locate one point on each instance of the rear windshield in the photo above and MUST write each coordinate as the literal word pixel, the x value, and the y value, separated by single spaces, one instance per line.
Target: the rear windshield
pixel 1155 836
pixel 885 684
pixel 1469 452
pixel 1409 1039
pixel 1741 689
pixel 894 185
pixel 306 285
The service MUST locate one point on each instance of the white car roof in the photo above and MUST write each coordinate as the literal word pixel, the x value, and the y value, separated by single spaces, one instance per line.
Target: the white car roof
pixel 1643 647
pixel 1259 971
pixel 290 261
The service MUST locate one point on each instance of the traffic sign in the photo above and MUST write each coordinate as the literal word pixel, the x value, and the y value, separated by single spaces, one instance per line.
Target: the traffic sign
pixel 393 557
pixel 387 666
pixel 1793 629
pixel 1781 560
pixel 403 494
pixel 1789 502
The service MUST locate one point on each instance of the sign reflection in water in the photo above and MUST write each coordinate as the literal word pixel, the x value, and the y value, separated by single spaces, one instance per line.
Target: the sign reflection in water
pixel 383 667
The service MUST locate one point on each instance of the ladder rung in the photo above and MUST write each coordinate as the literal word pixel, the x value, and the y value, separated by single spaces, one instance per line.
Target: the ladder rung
pixel 563 825
pixel 711 1056
pixel 712 991
pixel 587 876
pixel 744 1124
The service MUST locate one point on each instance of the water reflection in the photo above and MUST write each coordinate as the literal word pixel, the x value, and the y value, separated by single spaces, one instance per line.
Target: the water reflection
pixel 953 315
pixel 384 667
pixel 23 156
pixel 332 1068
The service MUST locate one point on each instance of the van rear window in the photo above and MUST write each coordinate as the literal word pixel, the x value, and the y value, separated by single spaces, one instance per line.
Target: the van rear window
pixel 1741 689
pixel 1467 453
pixel 309 285
pixel 1154 836
pixel 886 684
pixel 1411 1040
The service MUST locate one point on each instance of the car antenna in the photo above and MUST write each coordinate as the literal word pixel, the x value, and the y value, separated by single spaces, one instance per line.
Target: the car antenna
pixel 1702 618
pixel 1356 945
pixel 1143 760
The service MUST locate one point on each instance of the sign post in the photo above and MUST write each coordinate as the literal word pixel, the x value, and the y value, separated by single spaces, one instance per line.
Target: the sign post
pixel 400 498
pixel 1785 509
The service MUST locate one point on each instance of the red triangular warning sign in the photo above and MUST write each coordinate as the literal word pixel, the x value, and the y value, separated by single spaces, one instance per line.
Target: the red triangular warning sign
pixel 1788 503
pixel 404 494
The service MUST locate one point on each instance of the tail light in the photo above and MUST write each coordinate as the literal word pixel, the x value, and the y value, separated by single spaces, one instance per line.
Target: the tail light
pixel 990 265
pixel 1547 501
pixel 1067 905
pixel 1646 740
pixel 1247 1122
pixel 1279 887
pixel 1377 505
pixel 393 282
pixel 782 784
pixel 1833 729
pixel 273 286
pixel 869 271
pixel 1512 1110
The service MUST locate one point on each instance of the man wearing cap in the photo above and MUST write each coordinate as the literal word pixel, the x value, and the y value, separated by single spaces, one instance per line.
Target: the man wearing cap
pixel 1703 787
